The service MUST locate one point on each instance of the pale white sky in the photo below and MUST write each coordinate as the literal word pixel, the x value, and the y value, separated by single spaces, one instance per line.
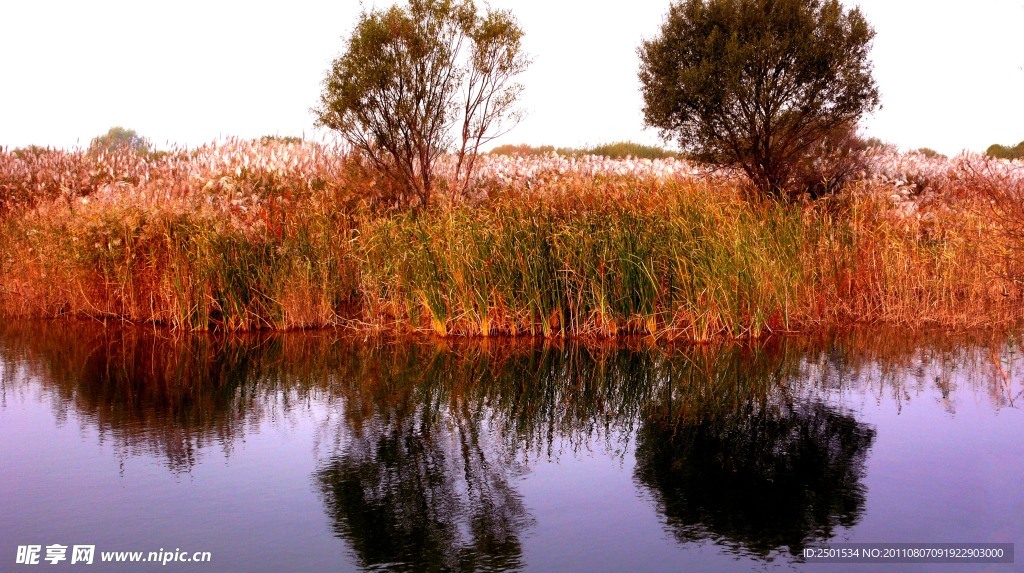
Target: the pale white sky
pixel 188 72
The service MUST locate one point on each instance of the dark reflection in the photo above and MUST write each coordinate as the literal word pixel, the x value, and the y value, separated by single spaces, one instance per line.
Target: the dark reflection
pixel 420 445
pixel 408 508
pixel 435 438
pixel 762 481
pixel 411 494
pixel 734 453
pixel 153 394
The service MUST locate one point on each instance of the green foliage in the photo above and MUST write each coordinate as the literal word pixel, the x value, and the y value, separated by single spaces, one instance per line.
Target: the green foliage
pixel 1005 152
pixel 757 83
pixel 417 81
pixel 119 138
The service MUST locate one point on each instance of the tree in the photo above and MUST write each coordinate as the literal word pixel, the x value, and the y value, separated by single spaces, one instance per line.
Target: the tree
pixel 416 82
pixel 757 84
pixel 119 138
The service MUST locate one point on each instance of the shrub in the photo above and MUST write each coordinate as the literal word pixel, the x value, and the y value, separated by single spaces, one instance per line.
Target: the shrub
pixel 522 150
pixel 618 150
pixel 283 139
pixel 929 153
pixel 623 149
pixel 877 144
pixel 1005 152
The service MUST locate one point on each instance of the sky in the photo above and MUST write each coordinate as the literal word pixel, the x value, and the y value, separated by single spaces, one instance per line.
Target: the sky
pixel 951 74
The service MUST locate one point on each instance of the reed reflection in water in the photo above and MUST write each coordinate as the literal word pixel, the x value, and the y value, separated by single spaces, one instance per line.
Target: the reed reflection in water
pixel 421 445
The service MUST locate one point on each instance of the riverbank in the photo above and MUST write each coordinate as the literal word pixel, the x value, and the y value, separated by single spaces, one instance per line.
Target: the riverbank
pixel 273 236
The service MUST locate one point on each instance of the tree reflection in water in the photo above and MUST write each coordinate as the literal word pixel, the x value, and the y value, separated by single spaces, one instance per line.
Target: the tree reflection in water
pixel 148 393
pixel 737 452
pixel 414 497
pixel 760 481
pixel 425 442
pixel 435 438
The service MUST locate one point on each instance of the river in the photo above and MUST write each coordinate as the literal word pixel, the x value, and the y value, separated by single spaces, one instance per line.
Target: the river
pixel 319 452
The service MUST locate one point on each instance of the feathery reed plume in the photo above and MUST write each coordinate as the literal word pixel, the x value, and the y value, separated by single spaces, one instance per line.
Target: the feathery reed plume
pixel 277 234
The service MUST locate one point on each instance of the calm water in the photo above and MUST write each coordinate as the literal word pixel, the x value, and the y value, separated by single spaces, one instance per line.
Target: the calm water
pixel 309 453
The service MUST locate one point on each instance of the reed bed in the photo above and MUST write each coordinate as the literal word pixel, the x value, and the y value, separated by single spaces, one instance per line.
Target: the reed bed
pixel 273 235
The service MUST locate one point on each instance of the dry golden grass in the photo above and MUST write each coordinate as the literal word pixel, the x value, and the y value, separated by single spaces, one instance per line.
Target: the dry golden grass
pixel 248 236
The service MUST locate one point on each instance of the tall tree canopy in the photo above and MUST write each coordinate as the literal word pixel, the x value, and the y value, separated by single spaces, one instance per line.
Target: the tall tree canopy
pixel 421 80
pixel 757 83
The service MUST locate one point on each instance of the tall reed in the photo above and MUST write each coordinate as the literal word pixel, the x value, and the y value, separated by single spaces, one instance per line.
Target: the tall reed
pixel 283 236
